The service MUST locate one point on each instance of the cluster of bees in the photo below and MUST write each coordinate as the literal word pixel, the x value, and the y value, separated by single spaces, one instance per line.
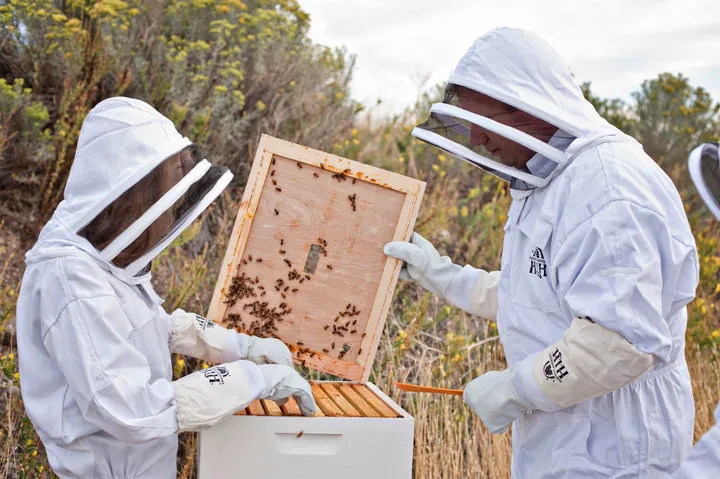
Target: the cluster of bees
pixel 265 317
pixel 341 176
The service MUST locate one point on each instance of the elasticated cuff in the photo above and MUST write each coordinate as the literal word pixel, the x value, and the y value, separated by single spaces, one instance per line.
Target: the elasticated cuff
pixel 527 389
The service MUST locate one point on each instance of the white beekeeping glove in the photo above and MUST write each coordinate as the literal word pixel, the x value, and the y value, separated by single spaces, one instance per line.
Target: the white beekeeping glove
pixel 493 398
pixel 587 362
pixel 471 289
pixel 263 350
pixel 423 264
pixel 281 382
pixel 205 397
pixel 198 337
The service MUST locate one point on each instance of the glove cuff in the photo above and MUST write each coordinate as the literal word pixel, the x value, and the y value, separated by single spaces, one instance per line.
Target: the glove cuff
pixel 526 388
pixel 460 289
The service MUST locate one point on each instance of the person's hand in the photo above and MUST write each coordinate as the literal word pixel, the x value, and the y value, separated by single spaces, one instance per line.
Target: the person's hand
pixel 282 382
pixel 423 264
pixel 267 351
pixel 493 398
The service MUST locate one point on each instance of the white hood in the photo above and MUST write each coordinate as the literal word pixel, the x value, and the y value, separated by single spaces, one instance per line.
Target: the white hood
pixel 704 167
pixel 520 69
pixel 120 142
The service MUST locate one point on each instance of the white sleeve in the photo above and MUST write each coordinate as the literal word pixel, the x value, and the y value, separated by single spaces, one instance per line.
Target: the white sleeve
pixel 108 378
pixel 587 362
pixel 704 460
pixel 475 291
pixel 198 337
pixel 622 269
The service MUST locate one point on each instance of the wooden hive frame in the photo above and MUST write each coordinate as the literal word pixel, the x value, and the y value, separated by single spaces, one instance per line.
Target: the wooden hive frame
pixel 305 261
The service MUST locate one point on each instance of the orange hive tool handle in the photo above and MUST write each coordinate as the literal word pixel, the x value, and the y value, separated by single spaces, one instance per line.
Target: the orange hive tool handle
pixel 412 388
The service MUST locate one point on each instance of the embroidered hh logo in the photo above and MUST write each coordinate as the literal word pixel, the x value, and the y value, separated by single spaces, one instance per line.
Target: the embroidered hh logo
pixel 554 368
pixel 203 323
pixel 537 263
pixel 217 374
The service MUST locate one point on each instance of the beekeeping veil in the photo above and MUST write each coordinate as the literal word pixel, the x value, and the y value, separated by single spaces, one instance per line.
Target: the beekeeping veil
pixel 121 141
pixel 704 166
pixel 521 70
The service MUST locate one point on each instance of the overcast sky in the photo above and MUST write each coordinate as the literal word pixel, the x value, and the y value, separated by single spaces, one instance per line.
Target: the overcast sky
pixel 614 44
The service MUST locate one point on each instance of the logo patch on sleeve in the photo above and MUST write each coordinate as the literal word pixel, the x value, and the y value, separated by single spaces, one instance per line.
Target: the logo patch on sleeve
pixel 203 323
pixel 554 368
pixel 217 374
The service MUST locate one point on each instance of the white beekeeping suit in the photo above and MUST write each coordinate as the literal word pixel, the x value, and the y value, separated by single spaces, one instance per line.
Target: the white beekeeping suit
pixel 94 342
pixel 704 460
pixel 598 264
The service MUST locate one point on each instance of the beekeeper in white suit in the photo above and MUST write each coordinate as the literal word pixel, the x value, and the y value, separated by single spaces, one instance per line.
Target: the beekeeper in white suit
pixel 94 342
pixel 704 165
pixel 598 264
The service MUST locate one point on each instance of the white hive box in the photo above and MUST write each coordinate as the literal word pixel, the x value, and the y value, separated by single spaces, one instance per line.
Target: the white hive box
pixel 254 447
pixel 305 264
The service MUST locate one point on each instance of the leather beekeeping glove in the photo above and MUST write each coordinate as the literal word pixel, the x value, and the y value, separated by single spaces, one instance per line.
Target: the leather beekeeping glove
pixel 198 337
pixel 470 289
pixel 589 361
pixel 281 382
pixel 206 397
pixel 264 350
pixel 423 264
pixel 493 397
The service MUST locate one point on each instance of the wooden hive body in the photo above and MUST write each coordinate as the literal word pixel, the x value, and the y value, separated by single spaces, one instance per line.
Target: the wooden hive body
pixel 305 264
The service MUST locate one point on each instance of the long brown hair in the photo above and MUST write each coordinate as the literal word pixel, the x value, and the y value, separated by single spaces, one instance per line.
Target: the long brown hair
pixel 122 212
